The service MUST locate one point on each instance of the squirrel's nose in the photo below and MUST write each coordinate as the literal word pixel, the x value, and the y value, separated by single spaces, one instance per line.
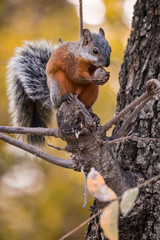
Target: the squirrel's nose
pixel 107 63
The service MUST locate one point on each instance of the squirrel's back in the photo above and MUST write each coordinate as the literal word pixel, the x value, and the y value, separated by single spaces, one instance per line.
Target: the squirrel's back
pixel 29 98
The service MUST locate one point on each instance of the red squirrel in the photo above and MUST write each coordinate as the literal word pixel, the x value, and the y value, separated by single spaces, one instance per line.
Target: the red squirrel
pixel 40 77
pixel 76 67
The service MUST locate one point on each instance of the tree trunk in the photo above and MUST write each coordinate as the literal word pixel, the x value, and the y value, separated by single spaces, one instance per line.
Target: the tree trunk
pixel 142 158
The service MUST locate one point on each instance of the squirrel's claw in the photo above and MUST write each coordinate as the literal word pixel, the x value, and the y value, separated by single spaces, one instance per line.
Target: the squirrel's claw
pixel 67 98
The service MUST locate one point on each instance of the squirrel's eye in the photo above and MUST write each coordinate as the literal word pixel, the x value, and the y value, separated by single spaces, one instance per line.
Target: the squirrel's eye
pixel 95 50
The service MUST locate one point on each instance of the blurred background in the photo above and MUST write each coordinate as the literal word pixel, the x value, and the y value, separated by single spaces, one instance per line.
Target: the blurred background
pixel 39 201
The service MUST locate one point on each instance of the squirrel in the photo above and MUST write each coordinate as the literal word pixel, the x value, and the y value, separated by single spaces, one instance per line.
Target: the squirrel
pixel 41 76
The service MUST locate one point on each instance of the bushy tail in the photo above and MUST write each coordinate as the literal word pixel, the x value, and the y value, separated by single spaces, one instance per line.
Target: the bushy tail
pixel 29 99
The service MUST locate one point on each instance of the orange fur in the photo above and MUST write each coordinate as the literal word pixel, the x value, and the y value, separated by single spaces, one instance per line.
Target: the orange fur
pixel 89 94
pixel 72 75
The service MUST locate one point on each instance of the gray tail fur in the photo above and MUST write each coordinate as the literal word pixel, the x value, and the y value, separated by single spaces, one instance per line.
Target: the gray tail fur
pixel 28 93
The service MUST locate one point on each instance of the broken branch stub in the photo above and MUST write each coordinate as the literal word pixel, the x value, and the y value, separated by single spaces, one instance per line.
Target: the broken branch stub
pixel 88 147
pixel 74 120
pixel 76 126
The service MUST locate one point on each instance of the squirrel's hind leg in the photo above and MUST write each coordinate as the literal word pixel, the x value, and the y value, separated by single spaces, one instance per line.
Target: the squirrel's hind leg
pixel 55 94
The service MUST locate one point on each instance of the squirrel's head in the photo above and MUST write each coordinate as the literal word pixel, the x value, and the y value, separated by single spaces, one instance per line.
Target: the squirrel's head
pixel 95 48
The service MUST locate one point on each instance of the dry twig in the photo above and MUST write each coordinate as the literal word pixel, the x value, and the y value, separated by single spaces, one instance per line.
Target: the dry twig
pixel 101 210
pixel 134 138
pixel 58 148
pixel 148 95
pixel 26 130
pixel 38 153
pixel 80 18
pixel 85 188
pixel 131 117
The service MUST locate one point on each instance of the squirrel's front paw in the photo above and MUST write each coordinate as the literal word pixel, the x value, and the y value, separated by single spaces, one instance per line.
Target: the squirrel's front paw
pixel 101 76
pixel 67 98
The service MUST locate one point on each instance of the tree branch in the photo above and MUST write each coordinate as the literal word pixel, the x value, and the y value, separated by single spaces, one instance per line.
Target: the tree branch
pixel 81 225
pixel 80 18
pixel 55 147
pixel 131 117
pixel 129 107
pixel 148 95
pixel 26 130
pixel 134 138
pixel 38 153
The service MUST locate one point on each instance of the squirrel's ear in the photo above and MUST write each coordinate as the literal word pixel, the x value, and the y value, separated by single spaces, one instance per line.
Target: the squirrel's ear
pixel 101 31
pixel 87 37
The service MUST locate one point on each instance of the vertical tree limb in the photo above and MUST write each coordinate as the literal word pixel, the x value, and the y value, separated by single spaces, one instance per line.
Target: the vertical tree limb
pixel 81 18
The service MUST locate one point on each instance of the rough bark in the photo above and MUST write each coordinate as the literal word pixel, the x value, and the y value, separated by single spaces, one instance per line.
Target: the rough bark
pixel 141 62
pixel 88 147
